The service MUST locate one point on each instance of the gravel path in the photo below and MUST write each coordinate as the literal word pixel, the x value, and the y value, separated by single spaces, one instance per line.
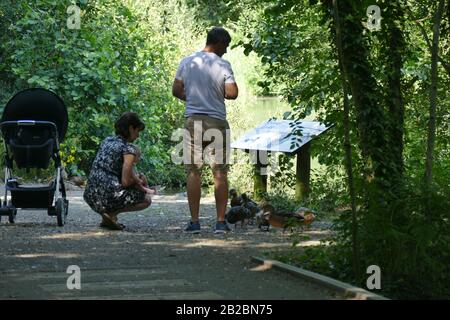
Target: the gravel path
pixel 152 259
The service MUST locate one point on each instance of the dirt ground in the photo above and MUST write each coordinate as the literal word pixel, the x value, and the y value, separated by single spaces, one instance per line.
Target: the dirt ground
pixel 151 259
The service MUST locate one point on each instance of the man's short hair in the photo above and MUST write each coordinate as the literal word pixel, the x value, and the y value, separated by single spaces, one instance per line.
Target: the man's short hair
pixel 218 35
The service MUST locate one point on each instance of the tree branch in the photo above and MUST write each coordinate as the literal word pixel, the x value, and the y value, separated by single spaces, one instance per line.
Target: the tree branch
pixel 444 63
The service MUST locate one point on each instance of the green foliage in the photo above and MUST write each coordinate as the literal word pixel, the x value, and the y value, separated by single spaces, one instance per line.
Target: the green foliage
pixel 124 57
pixel 389 71
pixel 413 253
pixel 328 190
pixel 118 61
pixel 219 12
pixel 325 259
pixel 281 202
pixel 283 179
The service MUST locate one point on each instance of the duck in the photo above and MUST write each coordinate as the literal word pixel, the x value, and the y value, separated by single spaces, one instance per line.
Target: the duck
pixel 235 200
pixel 270 216
pixel 250 205
pixel 262 220
pixel 236 214
pixel 264 214
pixel 308 215
pixel 282 221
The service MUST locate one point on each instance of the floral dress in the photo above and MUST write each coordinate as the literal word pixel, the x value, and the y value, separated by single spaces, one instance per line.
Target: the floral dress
pixel 104 192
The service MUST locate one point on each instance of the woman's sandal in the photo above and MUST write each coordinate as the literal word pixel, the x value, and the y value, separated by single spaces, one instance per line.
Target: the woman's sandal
pixel 107 226
pixel 110 223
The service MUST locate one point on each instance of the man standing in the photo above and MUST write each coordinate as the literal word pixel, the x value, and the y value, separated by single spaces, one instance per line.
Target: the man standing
pixel 204 80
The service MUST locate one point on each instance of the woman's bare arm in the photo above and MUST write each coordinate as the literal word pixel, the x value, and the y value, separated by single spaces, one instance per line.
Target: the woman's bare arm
pixel 129 177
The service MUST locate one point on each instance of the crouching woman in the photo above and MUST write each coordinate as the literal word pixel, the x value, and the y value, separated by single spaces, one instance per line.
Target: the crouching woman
pixel 113 186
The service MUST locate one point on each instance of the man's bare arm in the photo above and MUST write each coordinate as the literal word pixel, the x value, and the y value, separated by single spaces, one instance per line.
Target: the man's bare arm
pixel 178 90
pixel 231 91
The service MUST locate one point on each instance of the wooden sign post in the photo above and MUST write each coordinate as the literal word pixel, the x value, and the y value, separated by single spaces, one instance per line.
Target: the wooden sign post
pixel 259 178
pixel 287 136
pixel 303 172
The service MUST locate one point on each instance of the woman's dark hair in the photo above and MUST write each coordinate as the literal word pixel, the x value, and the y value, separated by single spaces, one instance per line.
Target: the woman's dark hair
pixel 218 35
pixel 126 120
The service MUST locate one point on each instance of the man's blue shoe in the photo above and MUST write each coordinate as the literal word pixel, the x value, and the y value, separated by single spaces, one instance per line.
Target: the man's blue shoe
pixel 221 227
pixel 193 227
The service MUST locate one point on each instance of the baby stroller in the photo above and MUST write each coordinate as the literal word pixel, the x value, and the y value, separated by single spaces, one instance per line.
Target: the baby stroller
pixel 33 124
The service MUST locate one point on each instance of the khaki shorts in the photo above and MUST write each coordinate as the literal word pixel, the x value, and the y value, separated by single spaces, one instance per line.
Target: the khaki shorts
pixel 206 140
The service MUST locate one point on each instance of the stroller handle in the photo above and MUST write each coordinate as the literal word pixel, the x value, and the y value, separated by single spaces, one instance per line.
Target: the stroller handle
pixel 6 124
pixel 28 123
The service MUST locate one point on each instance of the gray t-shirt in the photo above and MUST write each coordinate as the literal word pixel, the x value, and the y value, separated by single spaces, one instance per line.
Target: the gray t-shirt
pixel 204 75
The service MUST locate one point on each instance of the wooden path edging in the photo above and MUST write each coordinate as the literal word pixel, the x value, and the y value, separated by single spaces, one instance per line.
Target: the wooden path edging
pixel 348 290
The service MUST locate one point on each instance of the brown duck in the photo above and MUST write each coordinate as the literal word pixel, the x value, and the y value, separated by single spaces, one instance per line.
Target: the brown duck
pixel 269 216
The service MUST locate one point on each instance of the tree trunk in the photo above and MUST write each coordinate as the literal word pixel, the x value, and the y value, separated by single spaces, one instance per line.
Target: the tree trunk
pixel 433 95
pixel 347 145
pixel 445 64
pixel 370 116
pixel 393 53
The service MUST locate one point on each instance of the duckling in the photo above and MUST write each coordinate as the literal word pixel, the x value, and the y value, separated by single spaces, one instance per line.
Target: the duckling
pixel 236 214
pixel 235 200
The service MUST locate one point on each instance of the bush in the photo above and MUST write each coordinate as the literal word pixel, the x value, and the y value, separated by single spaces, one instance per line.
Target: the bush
pixel 101 72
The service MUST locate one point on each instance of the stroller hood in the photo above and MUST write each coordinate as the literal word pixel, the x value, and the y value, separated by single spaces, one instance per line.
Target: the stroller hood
pixel 39 105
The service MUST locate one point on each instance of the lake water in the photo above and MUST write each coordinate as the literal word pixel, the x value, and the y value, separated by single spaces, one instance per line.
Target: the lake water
pixel 256 111
pixel 264 108
pixel 261 109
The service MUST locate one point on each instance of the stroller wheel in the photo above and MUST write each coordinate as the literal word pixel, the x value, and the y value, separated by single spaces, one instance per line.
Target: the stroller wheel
pixel 12 215
pixel 51 211
pixel 61 212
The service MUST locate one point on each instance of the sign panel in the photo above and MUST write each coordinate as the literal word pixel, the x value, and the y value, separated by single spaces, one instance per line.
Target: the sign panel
pixel 280 135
